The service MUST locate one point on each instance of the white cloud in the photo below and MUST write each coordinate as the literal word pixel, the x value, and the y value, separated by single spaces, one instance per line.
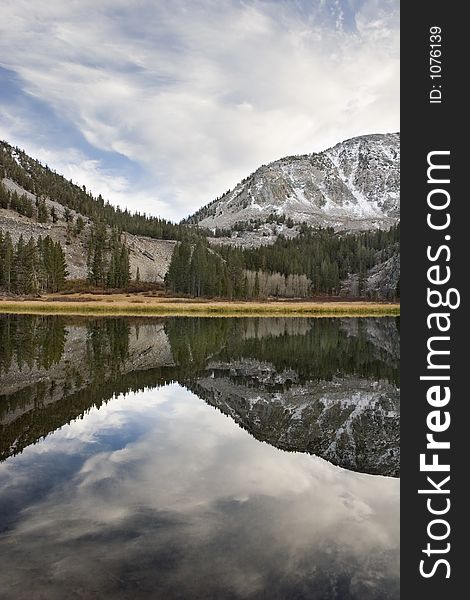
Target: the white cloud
pixel 200 93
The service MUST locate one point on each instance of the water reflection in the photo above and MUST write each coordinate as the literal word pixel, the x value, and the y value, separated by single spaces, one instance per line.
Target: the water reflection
pixel 324 386
pixel 157 495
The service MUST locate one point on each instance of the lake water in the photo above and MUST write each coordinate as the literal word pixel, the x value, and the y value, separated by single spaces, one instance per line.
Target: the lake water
pixel 198 458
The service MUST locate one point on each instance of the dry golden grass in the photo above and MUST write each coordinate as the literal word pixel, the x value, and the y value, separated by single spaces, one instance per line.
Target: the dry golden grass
pixel 141 305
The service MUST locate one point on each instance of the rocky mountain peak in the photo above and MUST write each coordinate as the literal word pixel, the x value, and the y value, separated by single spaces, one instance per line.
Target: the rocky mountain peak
pixel 354 185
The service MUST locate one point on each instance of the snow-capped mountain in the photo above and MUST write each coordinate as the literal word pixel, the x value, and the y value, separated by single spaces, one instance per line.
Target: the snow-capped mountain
pixel 353 186
pixel 350 421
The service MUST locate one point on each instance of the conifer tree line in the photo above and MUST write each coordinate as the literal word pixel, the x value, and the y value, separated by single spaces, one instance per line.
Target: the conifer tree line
pixel 41 181
pixel 107 258
pixel 324 256
pixel 315 262
pixel 197 270
pixel 36 267
pixel 31 267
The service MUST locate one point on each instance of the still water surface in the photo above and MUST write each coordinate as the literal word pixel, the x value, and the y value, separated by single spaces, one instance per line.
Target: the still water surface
pixel 199 458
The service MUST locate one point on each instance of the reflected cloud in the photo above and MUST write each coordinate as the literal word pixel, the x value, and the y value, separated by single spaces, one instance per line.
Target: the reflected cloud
pixel 169 498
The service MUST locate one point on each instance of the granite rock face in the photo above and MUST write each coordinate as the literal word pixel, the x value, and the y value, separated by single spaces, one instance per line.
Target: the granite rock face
pixel 381 282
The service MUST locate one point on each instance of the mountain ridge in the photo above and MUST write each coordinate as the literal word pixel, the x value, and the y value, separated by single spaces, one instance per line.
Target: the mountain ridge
pixel 353 185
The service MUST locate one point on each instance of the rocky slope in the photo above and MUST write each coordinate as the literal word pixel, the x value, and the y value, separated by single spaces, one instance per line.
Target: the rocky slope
pixel 151 256
pixel 353 186
pixel 380 282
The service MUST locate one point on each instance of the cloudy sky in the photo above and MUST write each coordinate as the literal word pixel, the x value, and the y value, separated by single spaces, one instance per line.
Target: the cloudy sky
pixel 162 105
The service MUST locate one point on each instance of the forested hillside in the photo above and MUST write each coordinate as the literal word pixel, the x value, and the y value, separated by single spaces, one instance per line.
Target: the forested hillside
pixel 52 229
pixel 315 262
pixel 100 243
pixel 44 183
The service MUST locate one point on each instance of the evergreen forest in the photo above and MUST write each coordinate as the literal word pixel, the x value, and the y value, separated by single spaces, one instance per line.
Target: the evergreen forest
pixel 41 181
pixel 314 262
pixel 31 267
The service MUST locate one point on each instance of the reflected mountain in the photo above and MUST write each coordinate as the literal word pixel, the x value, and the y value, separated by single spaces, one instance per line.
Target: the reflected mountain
pixel 328 387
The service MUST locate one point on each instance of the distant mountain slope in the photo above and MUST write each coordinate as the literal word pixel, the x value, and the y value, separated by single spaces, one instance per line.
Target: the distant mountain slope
pixel 353 186
pixel 151 256
pixel 42 182
pixel 68 214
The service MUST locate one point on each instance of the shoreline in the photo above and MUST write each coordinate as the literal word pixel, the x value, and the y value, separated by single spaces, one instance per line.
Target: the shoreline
pixel 145 306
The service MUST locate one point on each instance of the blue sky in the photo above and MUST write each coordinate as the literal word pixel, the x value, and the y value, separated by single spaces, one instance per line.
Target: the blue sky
pixel 162 105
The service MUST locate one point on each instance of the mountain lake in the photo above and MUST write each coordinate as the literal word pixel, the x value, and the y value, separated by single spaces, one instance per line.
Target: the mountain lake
pixel 199 458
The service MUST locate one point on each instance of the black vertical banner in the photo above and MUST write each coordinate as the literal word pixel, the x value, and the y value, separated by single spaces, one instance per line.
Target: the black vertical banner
pixel 434 353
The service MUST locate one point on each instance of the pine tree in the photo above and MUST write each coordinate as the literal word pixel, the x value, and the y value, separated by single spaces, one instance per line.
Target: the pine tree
pixel 124 267
pixel 4 196
pixel 256 288
pixel 79 225
pixel 97 267
pixel 59 271
pixel 178 275
pixel 18 275
pixel 7 254
pixel 53 265
pixel 30 269
pixel 118 275
pixel 42 212
pixel 67 214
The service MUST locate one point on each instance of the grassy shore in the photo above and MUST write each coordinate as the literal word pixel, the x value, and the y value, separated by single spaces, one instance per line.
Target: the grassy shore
pixel 141 305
